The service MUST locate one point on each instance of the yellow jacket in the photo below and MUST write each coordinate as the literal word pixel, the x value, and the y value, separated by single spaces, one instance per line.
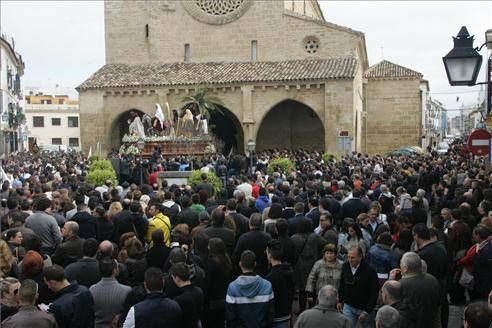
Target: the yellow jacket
pixel 162 222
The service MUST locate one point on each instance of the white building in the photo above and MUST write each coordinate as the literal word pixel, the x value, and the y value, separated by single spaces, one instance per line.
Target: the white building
pixel 52 120
pixel 433 126
pixel 11 116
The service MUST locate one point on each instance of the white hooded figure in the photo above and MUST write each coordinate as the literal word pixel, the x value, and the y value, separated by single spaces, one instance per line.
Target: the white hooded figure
pixel 202 124
pixel 137 128
pixel 159 115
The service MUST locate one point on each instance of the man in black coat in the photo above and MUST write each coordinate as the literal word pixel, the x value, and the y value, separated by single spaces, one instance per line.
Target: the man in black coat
pixel 71 249
pixel 296 219
pixel 482 263
pixel 217 229
pixel 130 221
pixel 353 206
pixel 190 297
pixel 187 214
pixel 435 256
pixel 241 222
pixel 73 304
pixel 281 276
pixel 358 289
pixel 87 222
pixel 256 241
pixel 421 292
pixel 86 270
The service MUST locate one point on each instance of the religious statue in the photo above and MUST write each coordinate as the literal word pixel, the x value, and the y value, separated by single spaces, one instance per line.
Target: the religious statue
pixel 136 127
pixel 201 124
pixel 187 124
pixel 158 121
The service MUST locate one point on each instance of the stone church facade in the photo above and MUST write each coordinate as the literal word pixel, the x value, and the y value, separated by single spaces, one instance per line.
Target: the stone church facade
pixel 287 78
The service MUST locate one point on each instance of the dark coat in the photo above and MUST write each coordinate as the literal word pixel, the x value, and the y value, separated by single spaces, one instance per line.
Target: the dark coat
pixel 227 236
pixel 421 295
pixel 188 216
pixel 190 299
pixel 359 290
pixel 30 316
pixel 255 241
pixel 314 215
pixel 241 222
pixel 436 258
pixel 294 223
pixel 85 272
pixel 352 208
pixel 482 271
pixel 282 279
pixel 69 251
pixel 87 224
pixel 157 311
pixel 105 229
pixel 73 307
pixel 157 256
pixel 125 221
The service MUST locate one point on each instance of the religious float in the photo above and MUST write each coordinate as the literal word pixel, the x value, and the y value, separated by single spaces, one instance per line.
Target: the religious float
pixel 182 131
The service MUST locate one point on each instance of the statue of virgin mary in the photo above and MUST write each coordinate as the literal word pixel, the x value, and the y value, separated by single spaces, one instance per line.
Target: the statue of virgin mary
pixel 136 127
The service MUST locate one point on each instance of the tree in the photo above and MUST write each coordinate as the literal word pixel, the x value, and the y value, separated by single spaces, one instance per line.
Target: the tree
pixel 202 102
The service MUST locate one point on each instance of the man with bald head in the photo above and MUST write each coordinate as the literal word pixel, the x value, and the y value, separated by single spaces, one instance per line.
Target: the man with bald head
pixel 391 295
pixel 70 250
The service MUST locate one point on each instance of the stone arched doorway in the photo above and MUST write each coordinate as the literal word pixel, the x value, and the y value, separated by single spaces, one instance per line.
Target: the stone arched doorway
pixel 227 128
pixel 291 124
pixel 120 127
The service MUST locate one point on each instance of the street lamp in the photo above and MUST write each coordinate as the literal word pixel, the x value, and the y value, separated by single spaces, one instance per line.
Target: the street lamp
pixel 463 62
pixel 141 146
pixel 250 146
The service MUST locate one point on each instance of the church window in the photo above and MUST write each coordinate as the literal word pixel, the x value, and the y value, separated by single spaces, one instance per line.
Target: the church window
pixel 187 53
pixel 219 8
pixel 254 50
pixel 311 45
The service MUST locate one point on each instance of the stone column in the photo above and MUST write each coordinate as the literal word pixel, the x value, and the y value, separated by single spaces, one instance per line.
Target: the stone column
pixel 248 122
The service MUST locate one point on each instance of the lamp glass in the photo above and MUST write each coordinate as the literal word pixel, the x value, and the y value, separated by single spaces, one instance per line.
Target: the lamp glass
pixel 461 70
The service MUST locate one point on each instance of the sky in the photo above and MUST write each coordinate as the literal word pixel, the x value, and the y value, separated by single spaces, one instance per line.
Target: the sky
pixel 62 42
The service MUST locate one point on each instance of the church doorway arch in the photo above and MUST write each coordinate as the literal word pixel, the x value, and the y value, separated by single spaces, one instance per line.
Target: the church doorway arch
pixel 228 129
pixel 120 127
pixel 291 124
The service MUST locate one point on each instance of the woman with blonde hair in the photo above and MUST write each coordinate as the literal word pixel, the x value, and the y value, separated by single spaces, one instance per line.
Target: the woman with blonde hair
pixel 114 209
pixel 8 264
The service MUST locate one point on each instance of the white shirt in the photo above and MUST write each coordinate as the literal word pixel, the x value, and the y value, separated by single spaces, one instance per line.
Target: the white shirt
pixel 354 270
pixel 130 319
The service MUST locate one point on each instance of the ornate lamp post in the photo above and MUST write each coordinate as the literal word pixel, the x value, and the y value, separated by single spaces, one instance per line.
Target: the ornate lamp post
pixel 463 62
pixel 141 146
pixel 250 146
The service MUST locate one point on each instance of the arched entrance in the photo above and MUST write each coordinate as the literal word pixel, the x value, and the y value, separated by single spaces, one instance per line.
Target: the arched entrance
pixel 228 129
pixel 120 127
pixel 291 124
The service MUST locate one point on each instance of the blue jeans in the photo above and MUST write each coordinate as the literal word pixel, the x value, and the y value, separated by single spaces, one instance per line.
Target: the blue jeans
pixel 353 314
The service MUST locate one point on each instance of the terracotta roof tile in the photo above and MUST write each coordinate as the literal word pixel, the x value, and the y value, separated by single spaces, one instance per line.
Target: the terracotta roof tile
pixel 174 74
pixel 385 69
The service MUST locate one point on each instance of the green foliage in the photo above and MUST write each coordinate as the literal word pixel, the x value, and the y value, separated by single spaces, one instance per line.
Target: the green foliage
pixel 99 177
pixel 100 171
pixel 195 178
pixel 283 164
pixel 103 164
pixel 203 101
pixel 328 157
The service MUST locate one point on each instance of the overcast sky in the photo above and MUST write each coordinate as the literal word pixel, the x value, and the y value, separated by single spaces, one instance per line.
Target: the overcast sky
pixel 62 42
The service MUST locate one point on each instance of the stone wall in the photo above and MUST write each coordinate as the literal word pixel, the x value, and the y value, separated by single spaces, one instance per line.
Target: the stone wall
pixel 332 103
pixel 280 34
pixel 393 115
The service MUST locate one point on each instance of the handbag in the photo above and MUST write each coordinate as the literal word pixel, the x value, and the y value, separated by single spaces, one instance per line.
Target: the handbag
pixel 466 279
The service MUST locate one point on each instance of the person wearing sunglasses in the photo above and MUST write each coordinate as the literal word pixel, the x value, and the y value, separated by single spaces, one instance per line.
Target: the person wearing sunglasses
pixel 28 314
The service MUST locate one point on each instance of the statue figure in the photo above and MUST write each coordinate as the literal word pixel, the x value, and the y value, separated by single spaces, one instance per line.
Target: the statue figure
pixel 187 124
pixel 158 120
pixel 136 127
pixel 202 124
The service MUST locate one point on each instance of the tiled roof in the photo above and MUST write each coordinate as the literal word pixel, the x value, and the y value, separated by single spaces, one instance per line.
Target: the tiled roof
pixel 174 74
pixel 385 69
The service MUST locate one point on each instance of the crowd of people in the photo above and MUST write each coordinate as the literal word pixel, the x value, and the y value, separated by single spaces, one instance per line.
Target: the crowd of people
pixel 360 241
